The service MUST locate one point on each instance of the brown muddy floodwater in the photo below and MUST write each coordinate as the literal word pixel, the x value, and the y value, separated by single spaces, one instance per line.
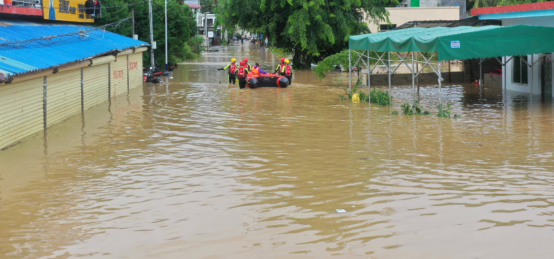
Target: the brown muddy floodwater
pixel 198 169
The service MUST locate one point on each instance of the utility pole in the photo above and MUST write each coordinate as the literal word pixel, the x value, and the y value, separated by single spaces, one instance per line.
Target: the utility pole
pixel 166 63
pixel 206 30
pixel 133 22
pixel 151 34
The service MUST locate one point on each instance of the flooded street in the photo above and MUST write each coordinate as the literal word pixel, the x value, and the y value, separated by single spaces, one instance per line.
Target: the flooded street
pixel 199 169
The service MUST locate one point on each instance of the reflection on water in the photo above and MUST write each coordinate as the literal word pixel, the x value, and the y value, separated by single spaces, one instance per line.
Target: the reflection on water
pixel 197 169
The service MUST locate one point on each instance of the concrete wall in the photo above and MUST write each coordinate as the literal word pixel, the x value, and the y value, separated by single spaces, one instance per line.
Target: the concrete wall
pixel 460 3
pixel 429 3
pixel 401 15
pixel 424 78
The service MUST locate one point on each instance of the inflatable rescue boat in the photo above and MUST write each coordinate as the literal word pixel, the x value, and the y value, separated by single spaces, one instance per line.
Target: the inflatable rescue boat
pixel 266 80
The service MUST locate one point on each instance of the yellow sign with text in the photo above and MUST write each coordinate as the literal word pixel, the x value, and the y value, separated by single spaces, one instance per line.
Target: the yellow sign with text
pixel 67 10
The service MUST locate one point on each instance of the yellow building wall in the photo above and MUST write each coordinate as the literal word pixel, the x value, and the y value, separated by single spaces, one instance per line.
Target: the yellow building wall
pixel 22 103
pixel 63 96
pixel 402 15
pixel 95 85
pixel 118 76
pixel 66 10
pixel 135 70
pixel 21 109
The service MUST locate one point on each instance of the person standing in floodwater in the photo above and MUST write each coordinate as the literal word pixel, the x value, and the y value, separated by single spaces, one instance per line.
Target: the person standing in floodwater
pixel 241 74
pixel 242 40
pixel 280 69
pixel 288 71
pixel 232 70
pixel 266 41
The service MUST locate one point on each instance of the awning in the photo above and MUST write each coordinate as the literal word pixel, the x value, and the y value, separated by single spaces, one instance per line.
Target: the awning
pixel 461 42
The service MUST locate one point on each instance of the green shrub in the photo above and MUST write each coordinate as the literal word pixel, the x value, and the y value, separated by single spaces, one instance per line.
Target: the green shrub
pixel 376 95
pixel 413 109
pixel 444 111
pixel 196 44
pixel 380 97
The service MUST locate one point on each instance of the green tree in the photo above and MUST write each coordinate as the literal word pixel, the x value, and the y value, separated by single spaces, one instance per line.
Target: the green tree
pixel 207 5
pixel 181 27
pixel 305 28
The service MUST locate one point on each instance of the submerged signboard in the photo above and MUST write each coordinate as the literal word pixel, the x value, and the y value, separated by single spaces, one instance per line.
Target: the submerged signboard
pixel 66 10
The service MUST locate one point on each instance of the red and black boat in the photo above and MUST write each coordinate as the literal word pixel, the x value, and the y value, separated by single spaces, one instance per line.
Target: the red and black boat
pixel 266 80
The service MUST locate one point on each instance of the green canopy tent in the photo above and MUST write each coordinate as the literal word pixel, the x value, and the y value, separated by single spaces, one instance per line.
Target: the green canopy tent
pixel 454 44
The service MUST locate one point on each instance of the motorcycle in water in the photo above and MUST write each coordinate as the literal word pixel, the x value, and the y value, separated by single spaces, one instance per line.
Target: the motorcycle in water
pixel 151 75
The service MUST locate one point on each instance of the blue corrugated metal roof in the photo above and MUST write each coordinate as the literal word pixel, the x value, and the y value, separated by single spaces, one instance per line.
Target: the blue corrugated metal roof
pixel 46 53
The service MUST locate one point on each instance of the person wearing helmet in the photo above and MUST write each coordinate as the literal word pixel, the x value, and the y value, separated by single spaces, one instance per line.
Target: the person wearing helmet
pixel 280 69
pixel 249 67
pixel 241 74
pixel 288 71
pixel 232 71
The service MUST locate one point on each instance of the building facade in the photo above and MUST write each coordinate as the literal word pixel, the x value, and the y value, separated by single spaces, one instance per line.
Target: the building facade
pixel 47 77
pixel 531 73
pixel 402 15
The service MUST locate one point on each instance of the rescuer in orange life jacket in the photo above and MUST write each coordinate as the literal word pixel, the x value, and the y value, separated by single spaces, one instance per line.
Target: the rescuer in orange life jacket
pixel 241 74
pixel 288 71
pixel 280 69
pixel 257 70
pixel 232 71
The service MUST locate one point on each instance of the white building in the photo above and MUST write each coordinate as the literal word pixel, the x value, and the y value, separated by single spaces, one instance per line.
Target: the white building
pixel 519 76
pixel 202 19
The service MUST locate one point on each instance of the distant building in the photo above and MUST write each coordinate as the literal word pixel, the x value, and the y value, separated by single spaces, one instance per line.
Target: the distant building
pixel 402 15
pixel 437 3
pixel 203 18
pixel 518 74
pixel 194 5
pixel 67 10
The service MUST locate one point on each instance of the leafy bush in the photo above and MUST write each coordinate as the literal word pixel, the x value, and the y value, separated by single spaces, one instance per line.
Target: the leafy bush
pixel 413 109
pixel 376 95
pixel 444 111
pixel 380 97
pixel 330 62
pixel 196 44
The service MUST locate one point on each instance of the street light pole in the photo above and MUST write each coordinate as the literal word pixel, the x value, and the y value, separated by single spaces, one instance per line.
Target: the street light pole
pixel 166 63
pixel 206 30
pixel 151 34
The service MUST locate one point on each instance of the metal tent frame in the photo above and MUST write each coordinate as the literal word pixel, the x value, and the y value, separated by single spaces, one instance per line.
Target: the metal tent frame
pixel 448 44
pixel 415 71
pixel 410 60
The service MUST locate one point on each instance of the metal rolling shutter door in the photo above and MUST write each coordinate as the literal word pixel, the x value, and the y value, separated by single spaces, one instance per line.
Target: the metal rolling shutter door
pixel 95 85
pixel 135 70
pixel 63 96
pixel 21 106
pixel 118 76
